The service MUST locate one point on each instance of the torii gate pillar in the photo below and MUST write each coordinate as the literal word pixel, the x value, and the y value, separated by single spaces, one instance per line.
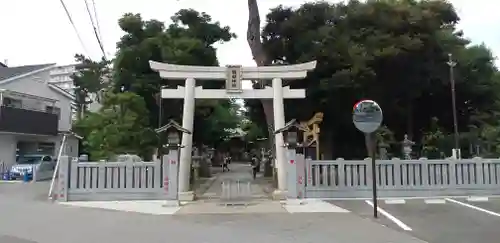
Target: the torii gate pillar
pixel 233 75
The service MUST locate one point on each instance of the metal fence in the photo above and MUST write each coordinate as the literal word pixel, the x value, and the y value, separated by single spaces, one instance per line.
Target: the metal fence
pixel 399 178
pixel 236 192
pixel 103 181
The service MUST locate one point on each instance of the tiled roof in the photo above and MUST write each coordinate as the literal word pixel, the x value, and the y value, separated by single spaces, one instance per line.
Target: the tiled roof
pixel 10 72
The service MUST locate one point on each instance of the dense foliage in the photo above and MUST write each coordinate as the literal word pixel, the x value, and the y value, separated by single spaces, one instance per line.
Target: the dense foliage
pixel 394 52
pixel 120 126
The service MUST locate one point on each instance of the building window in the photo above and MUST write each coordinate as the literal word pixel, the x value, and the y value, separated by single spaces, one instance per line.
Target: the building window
pixel 54 110
pixel 10 102
pixel 46 148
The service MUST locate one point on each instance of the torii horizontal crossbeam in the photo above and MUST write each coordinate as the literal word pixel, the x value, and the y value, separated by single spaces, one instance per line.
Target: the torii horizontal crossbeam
pixel 173 71
pixel 201 93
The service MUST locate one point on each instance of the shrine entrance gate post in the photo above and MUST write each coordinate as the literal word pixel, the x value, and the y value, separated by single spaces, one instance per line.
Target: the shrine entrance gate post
pixel 233 75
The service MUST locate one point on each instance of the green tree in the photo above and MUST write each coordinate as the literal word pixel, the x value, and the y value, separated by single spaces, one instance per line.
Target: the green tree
pixel 433 141
pixel 90 79
pixel 121 126
pixel 188 40
pixel 218 125
pixel 252 131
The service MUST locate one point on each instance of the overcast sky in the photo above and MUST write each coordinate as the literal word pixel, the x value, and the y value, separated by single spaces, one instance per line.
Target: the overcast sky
pixel 38 31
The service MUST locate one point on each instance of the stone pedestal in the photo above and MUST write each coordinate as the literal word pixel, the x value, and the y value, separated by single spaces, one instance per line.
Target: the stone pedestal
pixel 186 196
pixel 279 195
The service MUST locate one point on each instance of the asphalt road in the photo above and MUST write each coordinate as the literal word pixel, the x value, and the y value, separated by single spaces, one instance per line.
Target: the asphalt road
pixel 27 217
pixel 450 220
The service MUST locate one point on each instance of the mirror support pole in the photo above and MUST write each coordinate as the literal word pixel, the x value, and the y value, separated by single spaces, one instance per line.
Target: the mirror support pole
pixel 374 174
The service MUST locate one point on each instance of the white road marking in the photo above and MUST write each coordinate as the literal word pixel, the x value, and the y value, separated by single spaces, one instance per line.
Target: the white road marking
pixel 435 201
pixel 390 217
pixel 473 207
pixel 477 199
pixel 155 207
pixel 312 206
pixel 388 198
pixel 395 201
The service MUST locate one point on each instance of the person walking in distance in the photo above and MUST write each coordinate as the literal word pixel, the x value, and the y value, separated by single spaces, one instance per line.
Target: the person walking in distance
pixel 254 163
pixel 225 163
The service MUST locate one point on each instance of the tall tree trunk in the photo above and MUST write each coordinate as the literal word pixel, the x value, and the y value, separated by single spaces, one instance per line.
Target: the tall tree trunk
pixel 261 59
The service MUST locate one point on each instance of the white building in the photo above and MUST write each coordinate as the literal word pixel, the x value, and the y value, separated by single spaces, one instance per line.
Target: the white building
pixel 61 76
pixel 35 113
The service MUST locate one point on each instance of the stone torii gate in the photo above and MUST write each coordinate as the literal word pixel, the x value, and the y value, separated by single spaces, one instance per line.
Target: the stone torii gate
pixel 233 75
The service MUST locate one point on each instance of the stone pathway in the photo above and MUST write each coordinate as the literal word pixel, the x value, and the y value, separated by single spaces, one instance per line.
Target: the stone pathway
pixel 238 171
pixel 259 201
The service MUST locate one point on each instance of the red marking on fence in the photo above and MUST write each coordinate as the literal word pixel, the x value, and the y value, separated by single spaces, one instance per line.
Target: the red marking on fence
pixel 166 183
pixel 292 161
pixel 300 180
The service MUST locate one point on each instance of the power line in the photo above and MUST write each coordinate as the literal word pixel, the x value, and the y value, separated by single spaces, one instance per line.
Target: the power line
pixel 97 19
pixel 95 29
pixel 74 26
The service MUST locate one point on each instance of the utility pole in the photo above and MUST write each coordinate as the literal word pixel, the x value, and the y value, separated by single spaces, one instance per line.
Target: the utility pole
pixel 452 65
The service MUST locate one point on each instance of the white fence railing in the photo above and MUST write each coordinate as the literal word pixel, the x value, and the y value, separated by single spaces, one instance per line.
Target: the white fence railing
pixel 401 178
pixel 103 181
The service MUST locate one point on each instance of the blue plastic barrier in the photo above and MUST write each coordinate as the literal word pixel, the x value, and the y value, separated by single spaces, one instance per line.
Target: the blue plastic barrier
pixel 6 176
